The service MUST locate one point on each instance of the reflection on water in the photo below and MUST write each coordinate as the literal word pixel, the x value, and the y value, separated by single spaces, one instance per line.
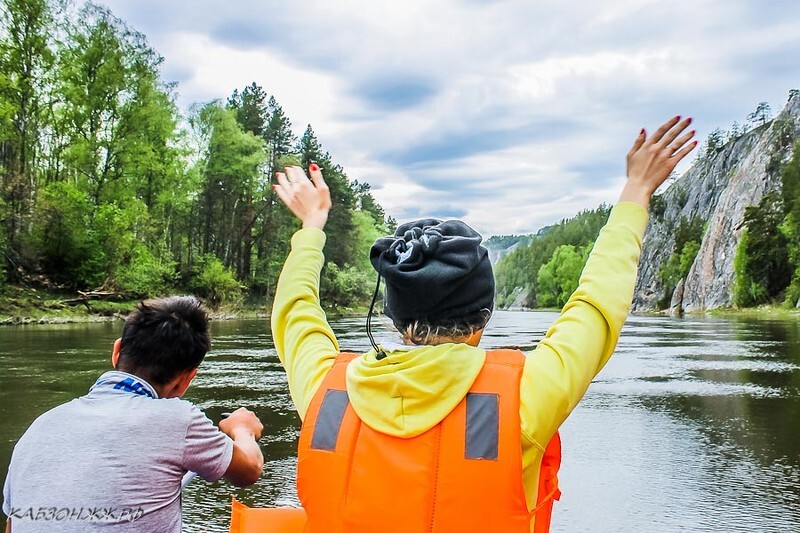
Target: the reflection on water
pixel 690 427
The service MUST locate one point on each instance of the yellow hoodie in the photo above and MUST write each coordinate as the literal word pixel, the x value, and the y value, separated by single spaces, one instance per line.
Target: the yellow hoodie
pixel 414 388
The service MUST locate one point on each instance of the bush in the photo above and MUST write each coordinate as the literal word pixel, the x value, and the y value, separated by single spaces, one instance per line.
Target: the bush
pixel 347 286
pixel 762 264
pixel 558 278
pixel 216 283
pixel 145 275
pixel 63 237
pixel 658 207
pixel 688 235
pixel 748 291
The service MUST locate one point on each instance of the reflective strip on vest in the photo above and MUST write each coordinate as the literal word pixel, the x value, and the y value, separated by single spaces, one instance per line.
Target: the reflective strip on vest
pixel 483 426
pixel 329 420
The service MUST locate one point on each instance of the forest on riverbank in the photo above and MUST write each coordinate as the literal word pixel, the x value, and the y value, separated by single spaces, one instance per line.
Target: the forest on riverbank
pixel 108 191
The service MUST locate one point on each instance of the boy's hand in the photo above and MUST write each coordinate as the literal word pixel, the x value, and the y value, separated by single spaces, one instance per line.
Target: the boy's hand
pixel 242 420
pixel 247 461
pixel 309 202
pixel 651 160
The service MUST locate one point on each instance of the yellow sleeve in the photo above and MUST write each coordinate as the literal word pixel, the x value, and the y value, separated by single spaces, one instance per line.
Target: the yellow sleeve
pixel 303 338
pixel 558 371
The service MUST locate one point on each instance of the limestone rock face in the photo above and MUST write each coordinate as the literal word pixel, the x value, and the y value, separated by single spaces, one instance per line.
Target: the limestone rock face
pixel 717 188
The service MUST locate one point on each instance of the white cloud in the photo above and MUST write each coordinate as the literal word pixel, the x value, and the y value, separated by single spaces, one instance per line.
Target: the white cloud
pixel 515 113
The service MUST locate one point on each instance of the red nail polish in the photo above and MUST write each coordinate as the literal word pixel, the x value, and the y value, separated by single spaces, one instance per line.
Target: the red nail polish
pixel 677 117
pixel 688 121
pixel 313 167
pixel 641 132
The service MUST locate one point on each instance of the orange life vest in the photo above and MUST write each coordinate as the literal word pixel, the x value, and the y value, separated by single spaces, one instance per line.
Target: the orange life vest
pixel 464 474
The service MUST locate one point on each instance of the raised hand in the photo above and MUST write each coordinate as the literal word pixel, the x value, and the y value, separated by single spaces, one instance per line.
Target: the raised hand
pixel 651 160
pixel 310 201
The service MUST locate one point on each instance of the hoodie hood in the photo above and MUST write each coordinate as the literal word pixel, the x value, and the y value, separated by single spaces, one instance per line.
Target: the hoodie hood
pixel 413 388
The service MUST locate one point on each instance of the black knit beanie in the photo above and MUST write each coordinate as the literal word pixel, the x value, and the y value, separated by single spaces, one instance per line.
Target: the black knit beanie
pixel 434 271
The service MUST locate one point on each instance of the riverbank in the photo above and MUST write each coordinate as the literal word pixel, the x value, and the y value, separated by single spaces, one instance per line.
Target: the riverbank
pixel 25 305
pixel 762 311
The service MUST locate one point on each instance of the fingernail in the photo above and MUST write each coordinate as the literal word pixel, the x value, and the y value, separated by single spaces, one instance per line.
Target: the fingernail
pixel 688 121
pixel 692 132
pixel 313 167
pixel 641 132
pixel 677 117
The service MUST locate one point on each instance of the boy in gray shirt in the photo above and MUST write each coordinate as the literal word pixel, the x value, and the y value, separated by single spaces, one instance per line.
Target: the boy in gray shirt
pixel 114 459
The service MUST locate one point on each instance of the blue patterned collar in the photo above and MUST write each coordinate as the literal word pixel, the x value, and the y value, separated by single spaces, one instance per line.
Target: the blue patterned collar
pixel 115 380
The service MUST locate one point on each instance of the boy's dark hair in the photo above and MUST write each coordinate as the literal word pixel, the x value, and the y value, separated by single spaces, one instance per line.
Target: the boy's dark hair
pixel 163 338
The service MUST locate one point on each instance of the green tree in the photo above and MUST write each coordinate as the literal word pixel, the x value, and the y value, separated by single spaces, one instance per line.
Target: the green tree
pixel 558 278
pixel 762 261
pixel 108 78
pixel 688 235
pixel 735 132
pixel 26 60
pixel 276 223
pixel 790 227
pixel 714 142
pixel 252 114
pixel 63 237
pixel 230 169
pixel 342 248
pixel 761 115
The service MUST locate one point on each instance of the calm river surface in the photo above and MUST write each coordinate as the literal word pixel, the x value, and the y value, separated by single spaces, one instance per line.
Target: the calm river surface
pixel 692 426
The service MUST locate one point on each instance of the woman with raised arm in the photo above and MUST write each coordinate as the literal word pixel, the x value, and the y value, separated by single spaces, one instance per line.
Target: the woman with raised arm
pixel 438 434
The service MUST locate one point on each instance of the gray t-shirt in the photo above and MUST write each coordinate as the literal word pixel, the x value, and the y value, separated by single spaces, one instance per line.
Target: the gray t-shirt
pixel 112 459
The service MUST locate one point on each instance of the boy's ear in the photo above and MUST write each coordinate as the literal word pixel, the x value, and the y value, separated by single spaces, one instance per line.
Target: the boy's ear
pixel 182 383
pixel 115 353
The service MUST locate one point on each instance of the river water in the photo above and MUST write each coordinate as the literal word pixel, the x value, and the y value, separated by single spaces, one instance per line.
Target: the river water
pixel 690 427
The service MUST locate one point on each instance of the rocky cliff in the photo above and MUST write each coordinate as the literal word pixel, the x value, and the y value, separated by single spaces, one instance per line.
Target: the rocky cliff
pixel 717 189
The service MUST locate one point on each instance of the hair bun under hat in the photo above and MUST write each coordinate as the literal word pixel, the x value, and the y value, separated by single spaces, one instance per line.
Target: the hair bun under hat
pixel 434 270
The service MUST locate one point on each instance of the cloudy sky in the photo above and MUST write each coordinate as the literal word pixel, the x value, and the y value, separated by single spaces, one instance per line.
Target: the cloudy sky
pixel 509 114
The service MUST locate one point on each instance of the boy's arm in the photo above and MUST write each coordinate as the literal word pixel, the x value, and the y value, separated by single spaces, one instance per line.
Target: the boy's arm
pixel 6 500
pixel 229 451
pixel 578 344
pixel 303 338
pixel 247 461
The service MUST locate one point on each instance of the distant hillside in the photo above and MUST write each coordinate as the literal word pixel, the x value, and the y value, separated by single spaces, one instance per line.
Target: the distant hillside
pixel 542 270
pixel 500 245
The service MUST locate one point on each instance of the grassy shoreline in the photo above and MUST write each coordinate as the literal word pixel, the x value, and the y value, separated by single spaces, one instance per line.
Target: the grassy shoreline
pixel 24 305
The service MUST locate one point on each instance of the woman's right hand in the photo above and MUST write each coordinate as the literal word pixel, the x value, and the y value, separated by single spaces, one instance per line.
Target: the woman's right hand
pixel 651 160
pixel 310 202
